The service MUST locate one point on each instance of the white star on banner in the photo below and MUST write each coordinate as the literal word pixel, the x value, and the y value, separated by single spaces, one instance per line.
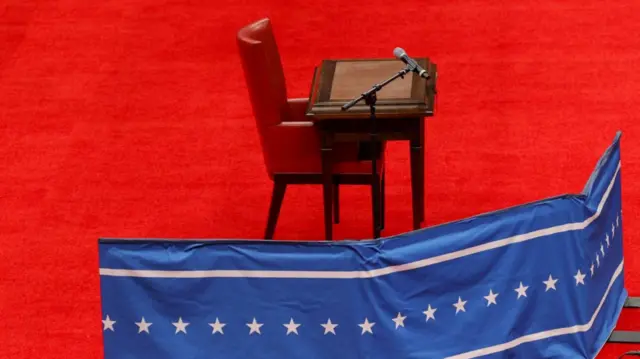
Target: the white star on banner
pixel 180 326
pixel 399 320
pixel 550 283
pixel 329 327
pixel 522 290
pixel 143 326
pixel 606 239
pixel 618 220
pixel 108 324
pixel 602 250
pixel 598 259
pixel 292 327
pixel 579 278
pixel 592 269
pixel 366 326
pixel 254 326
pixel 491 298
pixel 430 313
pixel 217 326
pixel 613 230
pixel 460 305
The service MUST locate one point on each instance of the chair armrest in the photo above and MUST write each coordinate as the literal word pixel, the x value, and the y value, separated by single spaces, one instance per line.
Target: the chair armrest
pixel 296 124
pixel 292 143
pixel 297 109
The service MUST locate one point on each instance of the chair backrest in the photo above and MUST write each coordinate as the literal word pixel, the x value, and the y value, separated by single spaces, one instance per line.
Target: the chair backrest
pixel 265 80
pixel 263 72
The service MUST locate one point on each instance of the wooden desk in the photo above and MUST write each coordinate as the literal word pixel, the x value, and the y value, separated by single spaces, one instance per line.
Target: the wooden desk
pixel 400 111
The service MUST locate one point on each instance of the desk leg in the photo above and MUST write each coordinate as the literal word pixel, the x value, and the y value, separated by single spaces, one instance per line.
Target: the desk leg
pixel 422 178
pixel 417 174
pixel 376 204
pixel 327 187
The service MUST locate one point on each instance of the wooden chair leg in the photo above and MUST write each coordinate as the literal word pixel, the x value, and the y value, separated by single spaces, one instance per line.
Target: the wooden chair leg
pixel 375 205
pixel 327 189
pixel 336 199
pixel 277 196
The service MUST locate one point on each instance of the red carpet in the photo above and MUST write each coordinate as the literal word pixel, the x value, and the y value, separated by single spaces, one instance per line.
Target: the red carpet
pixel 130 119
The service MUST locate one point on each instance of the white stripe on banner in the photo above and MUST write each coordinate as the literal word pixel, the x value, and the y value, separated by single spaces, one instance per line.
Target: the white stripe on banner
pixel 545 334
pixel 299 274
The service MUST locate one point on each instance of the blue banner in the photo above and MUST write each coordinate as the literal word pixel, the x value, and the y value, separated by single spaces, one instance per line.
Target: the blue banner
pixel 541 280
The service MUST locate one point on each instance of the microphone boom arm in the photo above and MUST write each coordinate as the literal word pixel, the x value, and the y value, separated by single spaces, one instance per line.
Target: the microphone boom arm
pixel 371 92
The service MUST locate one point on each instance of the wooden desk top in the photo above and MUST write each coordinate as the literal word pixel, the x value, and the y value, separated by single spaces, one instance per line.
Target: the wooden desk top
pixel 336 82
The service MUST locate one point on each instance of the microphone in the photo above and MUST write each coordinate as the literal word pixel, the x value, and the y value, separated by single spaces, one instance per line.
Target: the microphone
pixel 399 53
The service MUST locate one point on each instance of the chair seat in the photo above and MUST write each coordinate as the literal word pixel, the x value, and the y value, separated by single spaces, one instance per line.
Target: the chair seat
pixel 296 146
pixel 346 160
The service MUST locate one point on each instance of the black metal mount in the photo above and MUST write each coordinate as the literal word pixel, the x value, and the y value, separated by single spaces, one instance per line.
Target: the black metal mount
pixel 370 97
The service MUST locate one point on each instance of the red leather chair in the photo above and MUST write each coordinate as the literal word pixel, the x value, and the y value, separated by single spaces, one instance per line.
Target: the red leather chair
pixel 290 143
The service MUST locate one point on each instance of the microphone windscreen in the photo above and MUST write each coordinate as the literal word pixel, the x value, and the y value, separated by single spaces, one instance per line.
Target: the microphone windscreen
pixel 399 52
